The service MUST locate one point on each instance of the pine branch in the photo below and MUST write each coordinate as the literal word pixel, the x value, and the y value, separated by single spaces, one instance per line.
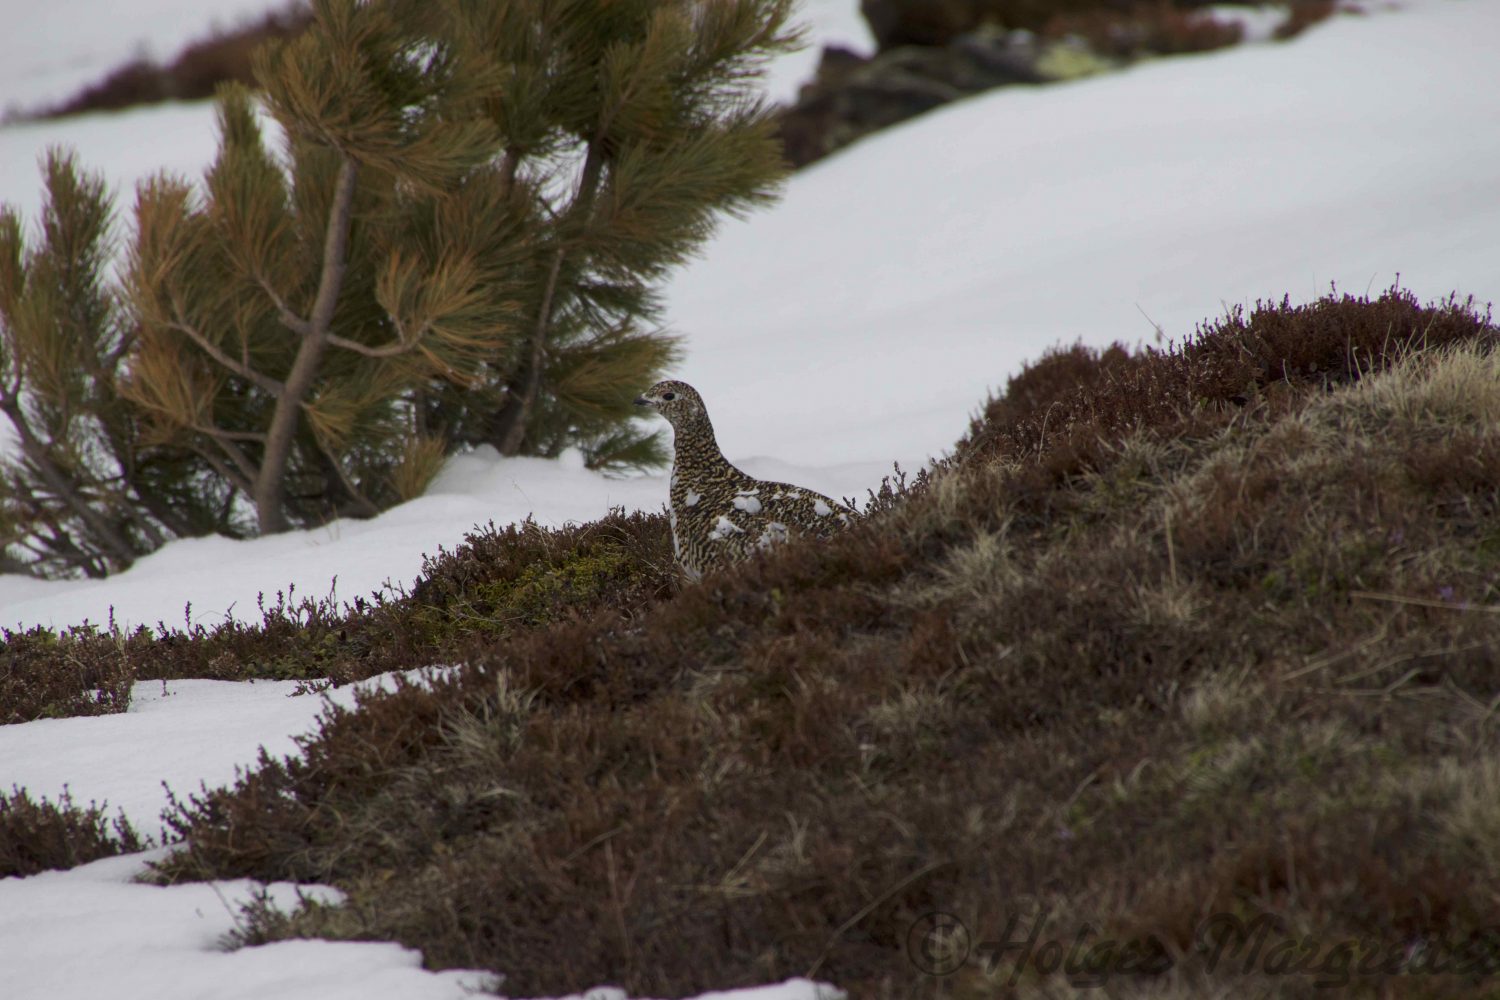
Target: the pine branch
pixel 289 319
pixel 264 381
pixel 403 344
pixel 60 545
pixel 521 409
pixel 240 479
pixel 17 567
pixel 227 443
pixel 66 492
pixel 364 507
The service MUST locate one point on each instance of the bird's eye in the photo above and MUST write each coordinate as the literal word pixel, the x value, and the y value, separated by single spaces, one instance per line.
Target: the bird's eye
pixel 669 395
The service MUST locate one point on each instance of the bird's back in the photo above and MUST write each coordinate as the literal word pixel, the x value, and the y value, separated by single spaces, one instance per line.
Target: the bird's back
pixel 722 519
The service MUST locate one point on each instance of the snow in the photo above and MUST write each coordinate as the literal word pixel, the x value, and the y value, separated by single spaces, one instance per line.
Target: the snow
pixel 859 323
pixel 59 930
pixel 181 734
pixel 910 273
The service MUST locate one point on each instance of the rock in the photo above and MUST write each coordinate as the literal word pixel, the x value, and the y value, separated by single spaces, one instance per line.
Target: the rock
pixel 852 96
pixel 920 22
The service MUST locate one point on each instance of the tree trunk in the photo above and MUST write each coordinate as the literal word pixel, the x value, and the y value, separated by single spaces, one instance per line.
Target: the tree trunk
pixel 270 483
pixel 515 419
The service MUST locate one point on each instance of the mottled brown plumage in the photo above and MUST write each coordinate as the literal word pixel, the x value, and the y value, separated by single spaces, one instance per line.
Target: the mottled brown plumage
pixel 720 515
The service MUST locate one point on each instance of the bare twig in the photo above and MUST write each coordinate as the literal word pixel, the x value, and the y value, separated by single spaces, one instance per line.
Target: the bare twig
pixel 868 908
pixel 390 350
pixel 1425 602
pixel 289 319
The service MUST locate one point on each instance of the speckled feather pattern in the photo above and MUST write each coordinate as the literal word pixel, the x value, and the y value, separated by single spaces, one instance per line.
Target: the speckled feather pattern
pixel 720 515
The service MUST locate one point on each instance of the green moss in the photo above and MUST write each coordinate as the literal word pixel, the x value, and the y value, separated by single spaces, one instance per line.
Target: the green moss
pixel 1071 60
pixel 541 593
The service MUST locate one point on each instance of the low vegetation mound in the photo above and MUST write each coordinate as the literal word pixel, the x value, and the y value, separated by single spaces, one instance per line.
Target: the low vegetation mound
pixel 38 836
pixel 499 582
pixel 1181 644
pixel 220 56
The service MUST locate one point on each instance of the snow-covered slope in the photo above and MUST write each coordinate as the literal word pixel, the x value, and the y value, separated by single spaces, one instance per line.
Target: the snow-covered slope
pixel 859 322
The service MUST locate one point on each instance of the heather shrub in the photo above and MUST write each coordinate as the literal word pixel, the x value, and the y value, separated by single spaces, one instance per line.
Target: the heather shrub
pixel 221 56
pixel 37 836
pixel 498 582
pixel 48 675
pixel 1188 634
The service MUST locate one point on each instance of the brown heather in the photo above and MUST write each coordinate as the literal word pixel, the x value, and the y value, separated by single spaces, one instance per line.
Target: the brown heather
pixel 1148 28
pixel 196 72
pixel 1202 631
pixel 37 836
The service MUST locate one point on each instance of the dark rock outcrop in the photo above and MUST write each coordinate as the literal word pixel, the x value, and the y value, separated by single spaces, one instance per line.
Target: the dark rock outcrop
pixel 931 52
pixel 853 96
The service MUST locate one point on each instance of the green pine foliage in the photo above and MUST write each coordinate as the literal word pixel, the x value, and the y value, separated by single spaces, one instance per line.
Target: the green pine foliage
pixel 83 492
pixel 460 239
pixel 643 116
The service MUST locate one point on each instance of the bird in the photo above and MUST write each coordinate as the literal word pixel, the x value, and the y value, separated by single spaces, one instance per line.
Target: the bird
pixel 719 515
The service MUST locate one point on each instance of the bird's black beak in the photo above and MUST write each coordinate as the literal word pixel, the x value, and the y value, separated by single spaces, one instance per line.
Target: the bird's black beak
pixel 642 401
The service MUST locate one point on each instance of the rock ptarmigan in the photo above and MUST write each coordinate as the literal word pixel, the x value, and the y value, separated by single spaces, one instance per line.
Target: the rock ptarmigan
pixel 719 515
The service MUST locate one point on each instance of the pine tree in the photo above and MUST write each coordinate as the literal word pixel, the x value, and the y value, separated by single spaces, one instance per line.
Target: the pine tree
pixel 460 238
pixel 287 320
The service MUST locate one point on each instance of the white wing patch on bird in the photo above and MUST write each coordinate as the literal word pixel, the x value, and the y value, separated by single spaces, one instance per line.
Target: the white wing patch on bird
pixel 724 528
pixel 692 498
pixel 775 534
pixel 820 508
pixel 747 502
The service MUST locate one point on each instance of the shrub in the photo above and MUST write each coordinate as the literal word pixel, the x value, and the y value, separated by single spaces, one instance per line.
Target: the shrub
pixel 47 675
pixel 221 56
pixel 499 582
pixel 37 836
pixel 1189 655
pixel 1145 28
pixel 462 242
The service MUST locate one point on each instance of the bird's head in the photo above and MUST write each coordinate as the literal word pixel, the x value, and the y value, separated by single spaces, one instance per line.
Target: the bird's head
pixel 677 401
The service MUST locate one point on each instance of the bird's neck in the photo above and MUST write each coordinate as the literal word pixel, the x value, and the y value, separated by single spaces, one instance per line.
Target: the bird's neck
pixel 695 447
